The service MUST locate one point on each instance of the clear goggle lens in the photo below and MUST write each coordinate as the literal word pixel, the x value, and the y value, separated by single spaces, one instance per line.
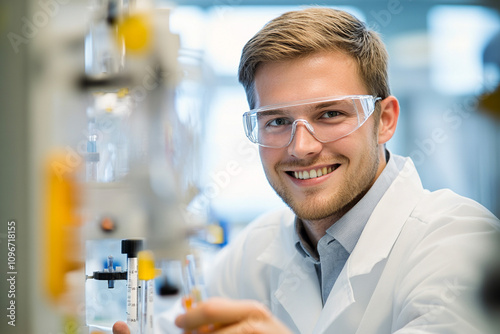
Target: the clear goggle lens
pixel 327 119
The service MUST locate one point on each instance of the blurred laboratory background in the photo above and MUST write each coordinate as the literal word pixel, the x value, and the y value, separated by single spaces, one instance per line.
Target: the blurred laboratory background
pixel 444 69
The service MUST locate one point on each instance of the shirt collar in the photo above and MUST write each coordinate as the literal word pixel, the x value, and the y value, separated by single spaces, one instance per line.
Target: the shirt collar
pixel 301 240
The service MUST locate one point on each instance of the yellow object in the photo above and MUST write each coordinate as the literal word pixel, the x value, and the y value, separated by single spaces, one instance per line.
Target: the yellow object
pixel 146 266
pixel 196 293
pixel 215 234
pixel 122 92
pixel 134 32
pixel 71 325
pixel 61 223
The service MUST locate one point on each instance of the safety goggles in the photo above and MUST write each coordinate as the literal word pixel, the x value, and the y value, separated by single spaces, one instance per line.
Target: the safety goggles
pixel 327 119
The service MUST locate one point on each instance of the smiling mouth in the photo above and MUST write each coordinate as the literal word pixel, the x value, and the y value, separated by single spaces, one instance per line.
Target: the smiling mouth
pixel 313 173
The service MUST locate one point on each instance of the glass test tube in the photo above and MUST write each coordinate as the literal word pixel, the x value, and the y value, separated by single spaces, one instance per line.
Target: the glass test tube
pixel 131 247
pixel 147 273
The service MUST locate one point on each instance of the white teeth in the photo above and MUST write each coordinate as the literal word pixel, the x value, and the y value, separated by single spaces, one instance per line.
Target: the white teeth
pixel 304 175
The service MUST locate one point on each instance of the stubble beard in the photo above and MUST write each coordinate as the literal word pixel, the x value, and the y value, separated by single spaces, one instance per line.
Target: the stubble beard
pixel 353 187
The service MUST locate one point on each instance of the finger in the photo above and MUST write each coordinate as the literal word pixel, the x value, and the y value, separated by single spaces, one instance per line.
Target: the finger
pixel 242 327
pixel 251 325
pixel 120 327
pixel 220 311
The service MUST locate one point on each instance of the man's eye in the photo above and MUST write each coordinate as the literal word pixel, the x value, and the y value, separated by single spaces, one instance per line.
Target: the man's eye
pixel 331 114
pixel 278 122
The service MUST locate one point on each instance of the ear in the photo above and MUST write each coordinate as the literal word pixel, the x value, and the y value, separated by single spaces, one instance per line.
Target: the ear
pixel 389 115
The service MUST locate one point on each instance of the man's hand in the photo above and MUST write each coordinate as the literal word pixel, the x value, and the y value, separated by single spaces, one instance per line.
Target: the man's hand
pixel 219 315
pixel 120 327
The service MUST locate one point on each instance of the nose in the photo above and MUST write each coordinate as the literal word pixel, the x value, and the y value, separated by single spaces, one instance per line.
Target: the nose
pixel 303 142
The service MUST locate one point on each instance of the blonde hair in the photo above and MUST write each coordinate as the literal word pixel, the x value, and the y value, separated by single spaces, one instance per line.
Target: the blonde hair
pixel 301 33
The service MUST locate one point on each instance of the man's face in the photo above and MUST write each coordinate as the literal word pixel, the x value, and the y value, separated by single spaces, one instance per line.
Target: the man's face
pixel 353 160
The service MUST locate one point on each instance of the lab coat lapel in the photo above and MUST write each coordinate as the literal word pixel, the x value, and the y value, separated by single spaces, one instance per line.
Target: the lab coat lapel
pixel 297 287
pixel 299 294
pixel 361 273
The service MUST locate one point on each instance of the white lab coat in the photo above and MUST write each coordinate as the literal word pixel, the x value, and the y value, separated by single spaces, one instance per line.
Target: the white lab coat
pixel 415 269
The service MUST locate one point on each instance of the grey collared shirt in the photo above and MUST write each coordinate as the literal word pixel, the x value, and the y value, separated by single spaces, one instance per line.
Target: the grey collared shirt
pixel 337 244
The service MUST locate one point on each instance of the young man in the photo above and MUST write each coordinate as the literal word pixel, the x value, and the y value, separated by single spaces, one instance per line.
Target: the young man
pixel 364 249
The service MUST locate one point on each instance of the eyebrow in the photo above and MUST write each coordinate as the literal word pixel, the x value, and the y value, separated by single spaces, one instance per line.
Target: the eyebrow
pixel 330 103
pixel 271 112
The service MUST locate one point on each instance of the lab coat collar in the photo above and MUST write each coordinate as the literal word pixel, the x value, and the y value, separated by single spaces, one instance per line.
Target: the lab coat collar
pixel 298 283
pixel 374 245
pixel 280 250
pixel 387 220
